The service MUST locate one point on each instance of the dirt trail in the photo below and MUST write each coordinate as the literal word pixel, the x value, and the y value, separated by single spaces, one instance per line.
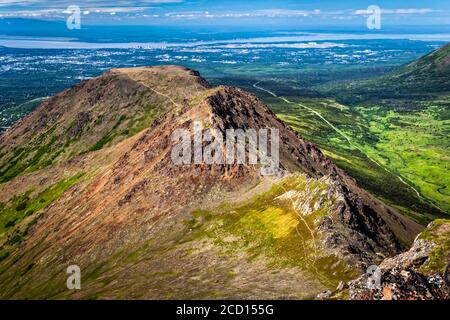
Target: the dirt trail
pixel 256 86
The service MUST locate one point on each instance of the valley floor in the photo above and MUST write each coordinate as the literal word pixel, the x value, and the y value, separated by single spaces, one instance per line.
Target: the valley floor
pixel 401 156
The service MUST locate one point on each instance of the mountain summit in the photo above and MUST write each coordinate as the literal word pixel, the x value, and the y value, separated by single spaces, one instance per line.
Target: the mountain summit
pixel 89 180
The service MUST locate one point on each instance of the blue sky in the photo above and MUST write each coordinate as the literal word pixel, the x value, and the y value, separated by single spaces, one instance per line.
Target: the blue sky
pixel 233 12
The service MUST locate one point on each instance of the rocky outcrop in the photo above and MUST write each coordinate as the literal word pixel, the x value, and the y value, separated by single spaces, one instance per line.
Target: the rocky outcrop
pixel 355 231
pixel 421 273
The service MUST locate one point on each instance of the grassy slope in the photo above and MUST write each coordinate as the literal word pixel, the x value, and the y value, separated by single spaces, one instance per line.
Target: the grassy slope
pixel 261 247
pixel 402 121
pixel 56 143
pixel 22 212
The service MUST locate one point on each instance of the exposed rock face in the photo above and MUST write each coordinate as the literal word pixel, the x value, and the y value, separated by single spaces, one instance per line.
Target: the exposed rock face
pixel 133 193
pixel 367 235
pixel 356 230
pixel 422 273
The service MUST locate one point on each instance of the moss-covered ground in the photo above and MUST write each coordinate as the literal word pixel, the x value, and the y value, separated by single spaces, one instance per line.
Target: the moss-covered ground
pixel 281 224
pixel 439 258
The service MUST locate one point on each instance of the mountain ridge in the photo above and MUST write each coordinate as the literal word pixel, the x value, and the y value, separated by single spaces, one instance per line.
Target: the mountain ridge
pixel 128 194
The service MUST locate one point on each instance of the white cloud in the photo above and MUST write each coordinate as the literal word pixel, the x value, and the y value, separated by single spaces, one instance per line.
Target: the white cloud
pixel 398 11
pixel 119 9
pixel 256 13
pixel 86 11
pixel 54 8
pixel 81 3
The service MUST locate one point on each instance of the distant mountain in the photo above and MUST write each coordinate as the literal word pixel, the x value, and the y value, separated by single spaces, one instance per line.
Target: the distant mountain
pixel 425 77
pixel 436 63
pixel 429 74
pixel 88 180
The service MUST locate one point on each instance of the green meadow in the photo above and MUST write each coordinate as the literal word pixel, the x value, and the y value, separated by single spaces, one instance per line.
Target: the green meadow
pixel 399 154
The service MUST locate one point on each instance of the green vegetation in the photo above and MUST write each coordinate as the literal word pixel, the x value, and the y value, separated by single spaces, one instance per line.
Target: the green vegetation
pixel 415 146
pixel 425 78
pixel 11 115
pixel 23 206
pixel 439 234
pixel 281 224
pixel 31 158
pixel 3 255
pixel 399 154
pixel 108 137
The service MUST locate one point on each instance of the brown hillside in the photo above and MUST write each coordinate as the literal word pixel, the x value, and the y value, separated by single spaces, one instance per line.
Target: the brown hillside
pixel 140 226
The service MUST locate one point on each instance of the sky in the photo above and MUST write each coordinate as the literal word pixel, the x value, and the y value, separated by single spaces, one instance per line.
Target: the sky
pixel 232 12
